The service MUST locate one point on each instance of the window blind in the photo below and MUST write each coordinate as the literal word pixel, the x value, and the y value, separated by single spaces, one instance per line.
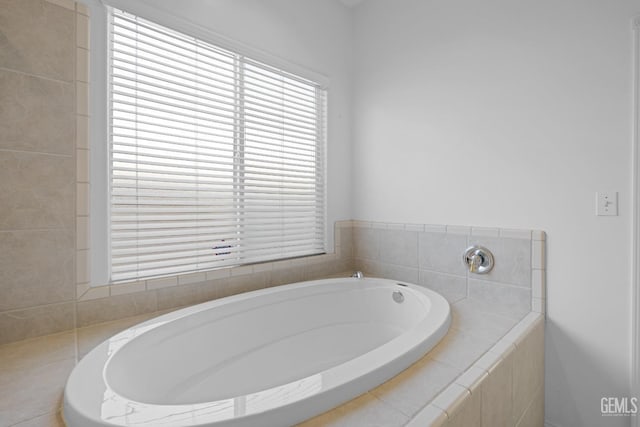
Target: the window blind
pixel 216 159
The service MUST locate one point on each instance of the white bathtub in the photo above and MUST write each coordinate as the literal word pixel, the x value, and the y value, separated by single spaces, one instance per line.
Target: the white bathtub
pixel 272 357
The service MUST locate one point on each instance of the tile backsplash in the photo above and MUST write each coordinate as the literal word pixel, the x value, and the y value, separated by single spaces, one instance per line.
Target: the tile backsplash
pixel 431 255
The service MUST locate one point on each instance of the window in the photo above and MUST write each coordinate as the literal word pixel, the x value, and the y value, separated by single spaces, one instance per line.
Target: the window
pixel 216 159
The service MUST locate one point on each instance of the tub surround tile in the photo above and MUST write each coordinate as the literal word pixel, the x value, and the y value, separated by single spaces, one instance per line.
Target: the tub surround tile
pixel 127 288
pixel 459 229
pixel 538 254
pixel 507 300
pixel 512 260
pixel 467 414
pixel 23 355
pixel 52 419
pixel 450 399
pixel 472 378
pixel 37 38
pixel 453 288
pixel 435 228
pixel 82 132
pixel 182 296
pixel 485 232
pixel 67 4
pixel 187 279
pixel 115 307
pixel 431 416
pixel 468 317
pixel 534 414
pixel 94 293
pixel 442 252
pixel 37 190
pixel 399 247
pixel 240 284
pixel 83 273
pixel 497 402
pixel 282 276
pixel 32 392
pixel 22 285
pixel 420 383
pixel 528 378
pixel 516 234
pixel 363 411
pixel 366 243
pixel 459 349
pixel 162 283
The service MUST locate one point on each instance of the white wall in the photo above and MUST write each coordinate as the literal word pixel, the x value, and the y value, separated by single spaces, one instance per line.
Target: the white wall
pixel 313 34
pixel 512 114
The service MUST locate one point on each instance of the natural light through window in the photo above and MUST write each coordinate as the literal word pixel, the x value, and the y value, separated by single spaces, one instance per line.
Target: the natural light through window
pixel 215 159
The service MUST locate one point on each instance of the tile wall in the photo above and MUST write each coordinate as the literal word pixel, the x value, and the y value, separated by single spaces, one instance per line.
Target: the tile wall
pixel 37 167
pixel 431 255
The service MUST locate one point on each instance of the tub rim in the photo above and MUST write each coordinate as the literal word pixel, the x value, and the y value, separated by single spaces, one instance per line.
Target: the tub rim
pixel 347 380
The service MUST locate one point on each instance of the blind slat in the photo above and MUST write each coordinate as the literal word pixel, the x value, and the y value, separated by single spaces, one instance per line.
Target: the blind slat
pixel 215 159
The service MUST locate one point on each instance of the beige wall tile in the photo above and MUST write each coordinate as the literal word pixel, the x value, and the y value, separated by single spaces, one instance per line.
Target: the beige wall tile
pixel 513 260
pixel 82 98
pixel 128 288
pixel 468 414
pixel 366 243
pixel 67 4
pixel 240 284
pixel 28 100
pixel 459 349
pixel 37 351
pixel 528 375
pixel 36 267
pixel 115 307
pixel 399 247
pixel 37 38
pixel 82 232
pixel 82 8
pixel 82 132
pixel 37 191
pixel 82 64
pixel 32 392
pixel 82 31
pixel 496 390
pixel 82 202
pixel 453 288
pixel 364 411
pixel 83 267
pixel 82 165
pixel 37 321
pixel 282 276
pixel 534 414
pixel 442 252
pixel 513 301
pixel 411 389
pixel 180 296
pixel 52 419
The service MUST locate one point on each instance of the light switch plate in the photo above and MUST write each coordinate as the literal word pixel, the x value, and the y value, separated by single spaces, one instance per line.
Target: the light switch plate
pixel 607 203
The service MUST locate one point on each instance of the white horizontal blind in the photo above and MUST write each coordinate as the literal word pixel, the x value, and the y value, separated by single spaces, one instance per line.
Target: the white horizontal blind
pixel 216 159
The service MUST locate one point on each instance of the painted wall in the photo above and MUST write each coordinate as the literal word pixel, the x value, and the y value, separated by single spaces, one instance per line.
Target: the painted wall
pixel 511 114
pixel 312 34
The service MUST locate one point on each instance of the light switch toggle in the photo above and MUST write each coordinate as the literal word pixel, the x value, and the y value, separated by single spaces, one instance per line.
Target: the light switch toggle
pixel 607 203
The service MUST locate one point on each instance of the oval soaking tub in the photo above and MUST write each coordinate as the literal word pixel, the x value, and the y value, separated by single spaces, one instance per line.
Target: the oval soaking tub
pixel 272 357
